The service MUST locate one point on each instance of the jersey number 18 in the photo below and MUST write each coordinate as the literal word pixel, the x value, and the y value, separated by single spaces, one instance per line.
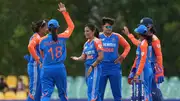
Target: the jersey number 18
pixel 58 52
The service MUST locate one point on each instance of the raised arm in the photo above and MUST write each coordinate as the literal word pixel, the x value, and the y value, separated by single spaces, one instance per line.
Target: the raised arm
pixel 131 36
pixel 67 33
pixel 133 39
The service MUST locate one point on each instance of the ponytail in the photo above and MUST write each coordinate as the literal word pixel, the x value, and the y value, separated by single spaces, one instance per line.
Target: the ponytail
pixel 148 38
pixel 53 31
pixel 153 30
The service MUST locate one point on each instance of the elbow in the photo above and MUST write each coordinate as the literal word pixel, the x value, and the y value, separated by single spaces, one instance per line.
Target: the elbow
pixel 29 47
pixel 72 26
pixel 128 47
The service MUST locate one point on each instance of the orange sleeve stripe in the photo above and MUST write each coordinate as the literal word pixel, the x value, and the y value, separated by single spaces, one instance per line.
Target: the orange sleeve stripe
pixel 98 44
pixel 134 40
pixel 31 46
pixel 143 48
pixel 124 44
pixel 67 33
pixel 157 49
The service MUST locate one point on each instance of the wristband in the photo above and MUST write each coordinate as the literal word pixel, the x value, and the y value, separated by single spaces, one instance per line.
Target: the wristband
pixel 92 66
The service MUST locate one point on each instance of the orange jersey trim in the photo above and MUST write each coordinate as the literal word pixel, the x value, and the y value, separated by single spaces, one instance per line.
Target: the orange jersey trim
pixel 157 50
pixel 32 44
pixel 67 33
pixel 124 44
pixel 98 44
pixel 133 39
pixel 143 47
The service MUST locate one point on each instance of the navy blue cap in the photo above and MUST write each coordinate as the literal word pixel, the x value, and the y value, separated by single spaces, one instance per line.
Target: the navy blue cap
pixel 146 21
pixel 53 22
pixel 141 29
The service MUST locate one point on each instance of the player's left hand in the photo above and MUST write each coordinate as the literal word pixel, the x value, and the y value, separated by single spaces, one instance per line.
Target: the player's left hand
pixel 62 7
pixel 89 71
pixel 119 59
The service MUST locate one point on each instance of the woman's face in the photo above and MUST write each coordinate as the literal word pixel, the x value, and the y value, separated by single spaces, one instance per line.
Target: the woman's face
pixel 88 33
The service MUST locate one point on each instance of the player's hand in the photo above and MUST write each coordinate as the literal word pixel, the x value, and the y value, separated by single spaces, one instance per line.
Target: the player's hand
pixel 75 58
pixel 119 59
pixel 126 31
pixel 62 7
pixel 89 71
pixel 136 78
pixel 39 63
pixel 131 75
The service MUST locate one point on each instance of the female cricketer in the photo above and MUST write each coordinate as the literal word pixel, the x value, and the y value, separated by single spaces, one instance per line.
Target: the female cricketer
pixel 111 63
pixel 53 51
pixel 39 28
pixel 142 65
pixel 156 60
pixel 92 54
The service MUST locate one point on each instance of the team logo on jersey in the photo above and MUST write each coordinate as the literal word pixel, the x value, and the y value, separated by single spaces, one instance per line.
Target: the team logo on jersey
pixel 91 46
pixel 113 39
pixel 158 46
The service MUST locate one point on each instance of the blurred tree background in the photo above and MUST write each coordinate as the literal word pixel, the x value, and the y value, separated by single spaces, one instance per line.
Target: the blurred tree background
pixel 16 17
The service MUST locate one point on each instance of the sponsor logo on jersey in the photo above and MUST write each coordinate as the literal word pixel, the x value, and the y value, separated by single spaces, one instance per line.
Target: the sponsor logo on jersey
pixel 109 44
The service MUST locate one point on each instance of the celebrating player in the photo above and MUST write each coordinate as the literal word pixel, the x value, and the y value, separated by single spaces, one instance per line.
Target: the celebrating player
pixel 157 59
pixel 53 51
pixel 142 65
pixel 39 28
pixel 111 64
pixel 92 54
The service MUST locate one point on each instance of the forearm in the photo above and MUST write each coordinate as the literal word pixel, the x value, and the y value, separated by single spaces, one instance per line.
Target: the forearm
pixel 98 60
pixel 81 58
pixel 133 39
pixel 68 20
pixel 33 52
pixel 126 51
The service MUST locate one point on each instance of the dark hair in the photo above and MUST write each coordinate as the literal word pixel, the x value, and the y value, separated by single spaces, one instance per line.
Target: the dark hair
pixel 93 27
pixel 52 29
pixel 37 25
pixel 153 30
pixel 107 20
pixel 148 38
